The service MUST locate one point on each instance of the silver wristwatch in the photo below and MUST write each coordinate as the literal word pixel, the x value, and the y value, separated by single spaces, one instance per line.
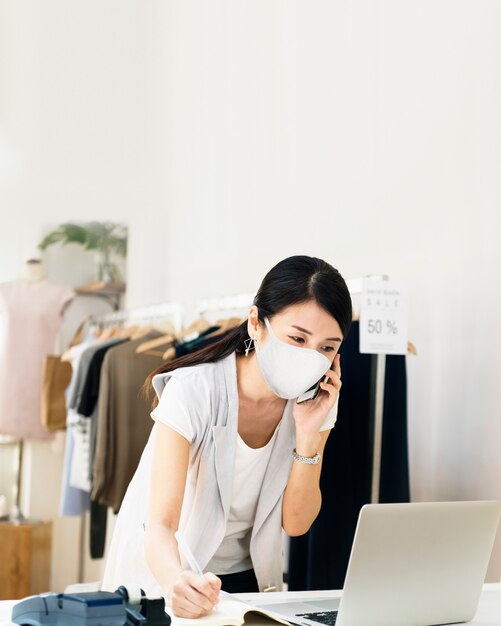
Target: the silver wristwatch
pixel 310 460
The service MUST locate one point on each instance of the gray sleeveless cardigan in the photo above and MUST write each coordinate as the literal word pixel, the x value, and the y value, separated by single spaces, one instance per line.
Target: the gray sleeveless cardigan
pixel 211 391
pixel 212 401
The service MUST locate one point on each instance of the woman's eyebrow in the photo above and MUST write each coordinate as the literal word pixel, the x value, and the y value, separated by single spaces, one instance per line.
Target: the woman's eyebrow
pixel 303 330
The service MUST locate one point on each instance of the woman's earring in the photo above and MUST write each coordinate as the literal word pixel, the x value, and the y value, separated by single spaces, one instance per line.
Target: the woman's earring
pixel 249 345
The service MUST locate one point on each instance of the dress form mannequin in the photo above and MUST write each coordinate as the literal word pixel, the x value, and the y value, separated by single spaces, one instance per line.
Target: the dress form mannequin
pixel 32 272
pixel 31 313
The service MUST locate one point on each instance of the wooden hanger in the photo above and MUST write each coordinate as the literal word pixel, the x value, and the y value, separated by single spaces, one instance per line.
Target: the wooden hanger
pixel 108 333
pixel 76 339
pixel 127 333
pixel 149 345
pixel 198 326
pixel 231 322
pixel 168 337
pixel 163 326
pixel 169 354
pixel 224 325
pixel 411 348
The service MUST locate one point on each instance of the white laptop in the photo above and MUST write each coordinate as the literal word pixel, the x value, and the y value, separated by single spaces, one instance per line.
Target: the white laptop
pixel 414 564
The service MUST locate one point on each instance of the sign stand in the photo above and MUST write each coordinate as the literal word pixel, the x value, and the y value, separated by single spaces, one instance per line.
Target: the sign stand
pixel 383 330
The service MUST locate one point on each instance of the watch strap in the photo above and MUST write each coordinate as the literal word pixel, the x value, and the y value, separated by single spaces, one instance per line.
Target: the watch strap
pixel 309 460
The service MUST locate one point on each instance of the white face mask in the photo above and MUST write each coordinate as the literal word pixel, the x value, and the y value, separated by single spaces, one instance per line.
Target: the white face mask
pixel 288 370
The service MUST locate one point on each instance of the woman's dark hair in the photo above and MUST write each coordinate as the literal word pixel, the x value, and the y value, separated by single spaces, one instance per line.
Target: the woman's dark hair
pixel 292 281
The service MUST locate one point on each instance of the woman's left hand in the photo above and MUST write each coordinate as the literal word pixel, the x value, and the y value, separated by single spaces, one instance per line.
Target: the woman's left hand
pixel 310 415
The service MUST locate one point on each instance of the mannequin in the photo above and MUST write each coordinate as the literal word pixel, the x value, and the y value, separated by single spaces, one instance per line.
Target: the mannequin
pixel 31 313
pixel 32 272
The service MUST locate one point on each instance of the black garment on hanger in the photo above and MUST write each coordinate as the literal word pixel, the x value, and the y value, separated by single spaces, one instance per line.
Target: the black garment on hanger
pixel 97 529
pixel 86 406
pixel 90 392
pixel 200 342
pixel 319 559
pixel 185 346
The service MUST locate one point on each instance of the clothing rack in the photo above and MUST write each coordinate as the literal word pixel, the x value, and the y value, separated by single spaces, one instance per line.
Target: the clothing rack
pixel 378 367
pixel 225 304
pixel 173 311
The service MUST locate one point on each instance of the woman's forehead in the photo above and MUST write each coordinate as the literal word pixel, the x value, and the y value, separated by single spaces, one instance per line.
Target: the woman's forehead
pixel 309 316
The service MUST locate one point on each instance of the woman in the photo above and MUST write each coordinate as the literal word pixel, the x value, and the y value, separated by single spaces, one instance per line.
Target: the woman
pixel 233 457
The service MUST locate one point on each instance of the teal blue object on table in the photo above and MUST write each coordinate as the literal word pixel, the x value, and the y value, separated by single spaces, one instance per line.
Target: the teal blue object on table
pixel 101 608
pixel 98 608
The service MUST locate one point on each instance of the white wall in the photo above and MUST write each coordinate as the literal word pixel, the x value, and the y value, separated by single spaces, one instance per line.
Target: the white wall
pixel 230 134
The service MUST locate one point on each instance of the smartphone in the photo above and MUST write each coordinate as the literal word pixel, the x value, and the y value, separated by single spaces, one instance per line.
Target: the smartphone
pixel 313 392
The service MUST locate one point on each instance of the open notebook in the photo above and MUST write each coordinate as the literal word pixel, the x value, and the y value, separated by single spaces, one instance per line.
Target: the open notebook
pixel 229 612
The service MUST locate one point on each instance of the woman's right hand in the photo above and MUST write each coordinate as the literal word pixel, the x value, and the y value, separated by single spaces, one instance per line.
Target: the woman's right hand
pixel 192 595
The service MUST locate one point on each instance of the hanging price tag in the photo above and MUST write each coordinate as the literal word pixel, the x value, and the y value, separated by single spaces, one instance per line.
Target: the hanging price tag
pixel 383 318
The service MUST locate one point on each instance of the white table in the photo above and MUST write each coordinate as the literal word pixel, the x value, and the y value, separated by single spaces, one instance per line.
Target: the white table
pixel 488 613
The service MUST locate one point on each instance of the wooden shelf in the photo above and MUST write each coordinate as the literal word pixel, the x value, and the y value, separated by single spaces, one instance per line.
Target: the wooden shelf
pixel 108 291
pixel 103 288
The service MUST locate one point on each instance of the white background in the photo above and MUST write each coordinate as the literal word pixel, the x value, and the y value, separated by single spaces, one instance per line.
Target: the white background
pixel 231 134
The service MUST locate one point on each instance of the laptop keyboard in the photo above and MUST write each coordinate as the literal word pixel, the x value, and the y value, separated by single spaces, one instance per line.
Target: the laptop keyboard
pixel 325 617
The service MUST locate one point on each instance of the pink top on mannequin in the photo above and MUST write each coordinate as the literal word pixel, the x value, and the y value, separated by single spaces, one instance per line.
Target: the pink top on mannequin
pixel 31 312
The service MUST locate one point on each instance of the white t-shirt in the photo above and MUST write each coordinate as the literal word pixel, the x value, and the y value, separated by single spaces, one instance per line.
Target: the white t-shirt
pixel 250 466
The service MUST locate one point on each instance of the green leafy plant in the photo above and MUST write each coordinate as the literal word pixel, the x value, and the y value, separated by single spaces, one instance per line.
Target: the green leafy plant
pixel 106 238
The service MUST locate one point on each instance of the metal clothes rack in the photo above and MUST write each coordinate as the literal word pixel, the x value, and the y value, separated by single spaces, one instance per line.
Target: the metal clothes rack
pixel 225 304
pixel 243 301
pixel 173 311
pixel 378 371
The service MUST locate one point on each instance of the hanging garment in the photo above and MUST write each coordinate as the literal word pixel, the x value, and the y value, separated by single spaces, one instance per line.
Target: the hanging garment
pixel 201 342
pixel 84 433
pixel 123 421
pixel 75 493
pixel 187 347
pixel 30 317
pixel 90 390
pixel 73 501
pixel 319 559
pixel 83 412
pixel 122 427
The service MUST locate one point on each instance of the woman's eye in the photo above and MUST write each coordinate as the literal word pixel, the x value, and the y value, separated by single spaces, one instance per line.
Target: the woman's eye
pixel 328 349
pixel 297 339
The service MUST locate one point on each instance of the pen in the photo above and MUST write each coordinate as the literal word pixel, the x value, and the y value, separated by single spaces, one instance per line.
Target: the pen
pixel 184 548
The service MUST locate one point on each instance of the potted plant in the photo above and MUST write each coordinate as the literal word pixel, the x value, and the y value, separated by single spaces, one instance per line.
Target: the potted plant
pixel 105 238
